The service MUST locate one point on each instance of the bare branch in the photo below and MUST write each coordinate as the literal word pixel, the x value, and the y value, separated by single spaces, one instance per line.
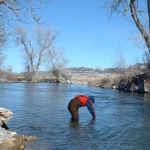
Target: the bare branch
pixel 138 13
pixel 57 63
pixel 14 11
pixel 119 62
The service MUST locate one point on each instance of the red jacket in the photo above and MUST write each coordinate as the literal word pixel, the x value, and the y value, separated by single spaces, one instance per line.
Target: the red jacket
pixel 82 98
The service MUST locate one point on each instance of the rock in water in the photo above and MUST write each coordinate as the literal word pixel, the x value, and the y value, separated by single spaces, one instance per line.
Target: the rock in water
pixel 5 114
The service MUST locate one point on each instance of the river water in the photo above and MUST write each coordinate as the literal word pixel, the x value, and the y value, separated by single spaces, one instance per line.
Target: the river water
pixel 122 122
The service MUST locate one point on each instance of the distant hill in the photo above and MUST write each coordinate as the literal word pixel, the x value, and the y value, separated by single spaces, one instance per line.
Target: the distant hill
pixel 92 71
pixel 136 68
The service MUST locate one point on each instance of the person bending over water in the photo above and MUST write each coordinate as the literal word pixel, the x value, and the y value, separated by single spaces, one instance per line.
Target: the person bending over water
pixel 79 101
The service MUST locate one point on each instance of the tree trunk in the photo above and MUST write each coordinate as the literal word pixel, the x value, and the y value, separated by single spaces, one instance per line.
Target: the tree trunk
pixel 138 23
pixel 148 5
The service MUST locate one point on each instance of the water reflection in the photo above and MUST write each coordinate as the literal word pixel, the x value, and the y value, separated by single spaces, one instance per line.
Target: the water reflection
pixel 146 97
pixel 77 124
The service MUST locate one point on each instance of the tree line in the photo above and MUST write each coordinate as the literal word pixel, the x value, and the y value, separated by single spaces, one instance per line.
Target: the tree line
pixel 38 46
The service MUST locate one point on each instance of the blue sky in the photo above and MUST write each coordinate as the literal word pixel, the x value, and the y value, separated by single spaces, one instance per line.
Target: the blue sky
pixel 89 39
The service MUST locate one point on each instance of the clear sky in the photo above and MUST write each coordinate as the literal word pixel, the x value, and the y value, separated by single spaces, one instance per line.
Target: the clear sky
pixel 89 39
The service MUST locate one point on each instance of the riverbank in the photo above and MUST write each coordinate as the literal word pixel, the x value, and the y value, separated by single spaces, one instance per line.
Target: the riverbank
pixel 10 140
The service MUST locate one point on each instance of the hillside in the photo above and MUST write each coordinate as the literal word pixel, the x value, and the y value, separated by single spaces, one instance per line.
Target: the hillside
pixel 82 71
pixel 136 69
pixel 90 71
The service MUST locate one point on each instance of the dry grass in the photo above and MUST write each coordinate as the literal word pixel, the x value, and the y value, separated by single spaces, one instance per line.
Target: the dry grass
pixel 97 79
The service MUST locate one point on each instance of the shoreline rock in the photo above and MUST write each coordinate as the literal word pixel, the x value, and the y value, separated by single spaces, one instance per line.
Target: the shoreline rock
pixel 11 140
pixel 15 142
pixel 5 114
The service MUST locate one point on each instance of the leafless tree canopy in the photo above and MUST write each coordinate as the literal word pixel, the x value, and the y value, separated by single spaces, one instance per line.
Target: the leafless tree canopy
pixel 120 62
pixel 140 12
pixel 14 11
pixel 57 63
pixel 35 46
pixel 19 10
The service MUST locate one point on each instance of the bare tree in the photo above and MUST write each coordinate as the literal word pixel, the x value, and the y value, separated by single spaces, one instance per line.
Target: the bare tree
pixel 3 39
pixel 140 12
pixel 57 63
pixel 35 46
pixel 120 62
pixel 2 58
pixel 6 73
pixel 13 12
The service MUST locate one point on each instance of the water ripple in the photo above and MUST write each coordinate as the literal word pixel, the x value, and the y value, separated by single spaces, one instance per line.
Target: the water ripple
pixel 122 122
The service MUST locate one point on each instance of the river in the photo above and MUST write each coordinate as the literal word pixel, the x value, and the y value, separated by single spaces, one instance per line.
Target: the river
pixel 122 122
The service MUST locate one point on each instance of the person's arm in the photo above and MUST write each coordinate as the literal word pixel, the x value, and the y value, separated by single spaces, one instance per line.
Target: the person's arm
pixel 90 107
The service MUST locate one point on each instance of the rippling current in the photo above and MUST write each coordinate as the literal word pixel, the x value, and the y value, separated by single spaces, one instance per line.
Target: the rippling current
pixel 122 122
